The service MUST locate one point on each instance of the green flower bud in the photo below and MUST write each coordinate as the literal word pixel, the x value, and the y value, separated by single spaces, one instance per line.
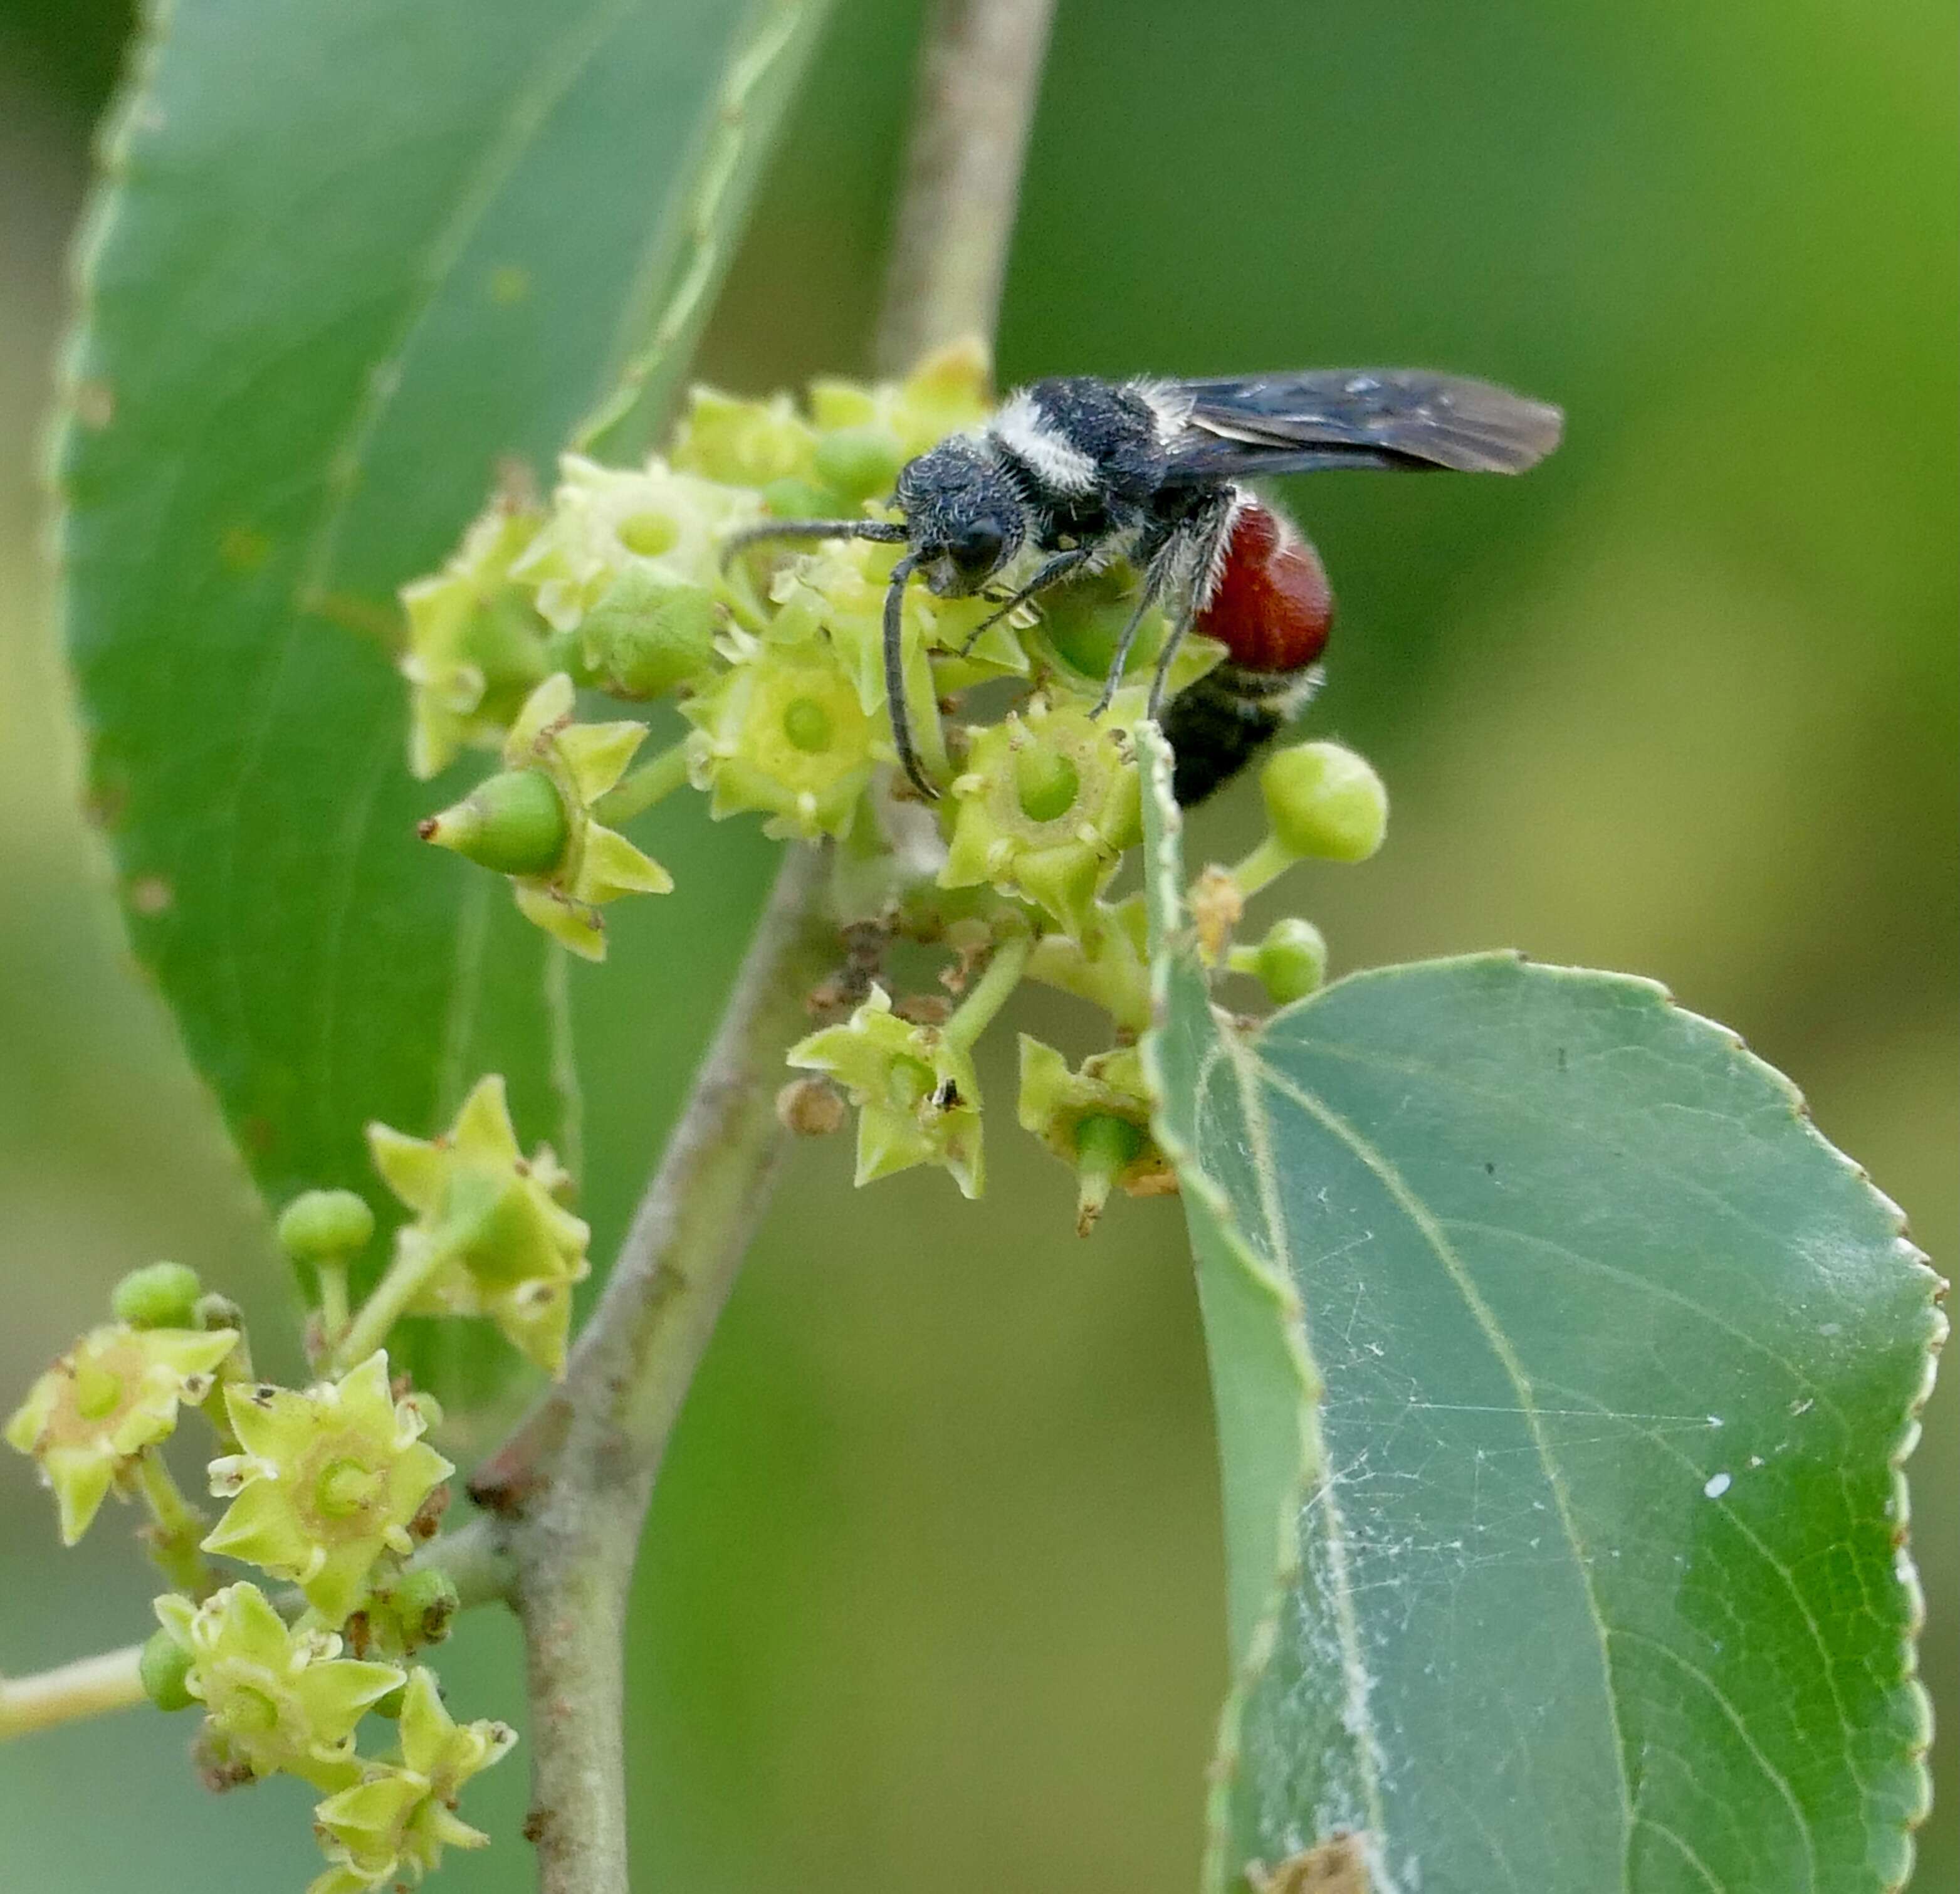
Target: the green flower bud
pixel 162 1295
pixel 1072 640
pixel 164 1668
pixel 1323 799
pixel 423 1603
pixel 514 1251
pixel 794 499
pixel 1047 804
pixel 513 822
pixel 1097 1121
pixel 115 1392
pixel 326 1226
pixel 648 634
pixel 1291 961
pixel 860 463
pixel 917 1094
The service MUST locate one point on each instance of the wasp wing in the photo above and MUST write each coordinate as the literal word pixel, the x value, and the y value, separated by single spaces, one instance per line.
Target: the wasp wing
pixel 1403 417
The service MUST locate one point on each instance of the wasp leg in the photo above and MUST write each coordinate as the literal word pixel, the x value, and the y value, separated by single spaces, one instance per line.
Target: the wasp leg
pixel 1052 571
pixel 887 532
pixel 1206 538
pixel 1157 574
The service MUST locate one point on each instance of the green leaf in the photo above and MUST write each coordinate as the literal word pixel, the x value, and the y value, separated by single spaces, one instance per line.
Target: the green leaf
pixel 350 260
pixel 1563 1375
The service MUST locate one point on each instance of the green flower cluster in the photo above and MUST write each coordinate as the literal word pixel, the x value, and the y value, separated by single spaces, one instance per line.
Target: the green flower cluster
pixel 332 1487
pixel 646 581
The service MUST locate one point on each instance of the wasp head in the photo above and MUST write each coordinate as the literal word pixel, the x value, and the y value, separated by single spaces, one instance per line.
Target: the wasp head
pixel 964 516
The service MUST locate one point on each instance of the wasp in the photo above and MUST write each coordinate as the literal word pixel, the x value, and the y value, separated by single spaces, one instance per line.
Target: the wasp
pixel 1075 472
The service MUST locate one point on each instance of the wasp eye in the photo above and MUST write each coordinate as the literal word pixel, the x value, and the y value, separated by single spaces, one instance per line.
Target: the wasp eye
pixel 978 544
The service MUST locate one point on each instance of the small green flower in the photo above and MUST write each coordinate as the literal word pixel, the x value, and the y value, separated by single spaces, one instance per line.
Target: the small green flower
pixel 327 1482
pixel 476 648
pixel 114 1393
pixel 917 1094
pixel 947 391
pixel 605 523
pixel 513 1250
pixel 836 595
pixel 1047 804
pixel 745 443
pixel 392 1826
pixel 563 866
pixel 783 731
pixel 276 1700
pixel 1097 1121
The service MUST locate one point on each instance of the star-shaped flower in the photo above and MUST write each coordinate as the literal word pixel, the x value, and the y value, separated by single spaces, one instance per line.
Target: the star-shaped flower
pixel 564 864
pixel 783 731
pixel 114 1393
pixel 327 1482
pixel 917 1094
pixel 274 1699
pixel 606 523
pixel 512 1250
pixel 475 648
pixel 1046 805
pixel 1097 1121
pixel 393 1825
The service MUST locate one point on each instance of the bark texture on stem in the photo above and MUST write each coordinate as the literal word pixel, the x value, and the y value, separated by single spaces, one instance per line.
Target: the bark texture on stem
pixel 979 74
pixel 568 1492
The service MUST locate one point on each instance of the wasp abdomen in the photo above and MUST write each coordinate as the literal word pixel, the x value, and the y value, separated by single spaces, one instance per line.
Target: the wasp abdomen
pixel 1271 606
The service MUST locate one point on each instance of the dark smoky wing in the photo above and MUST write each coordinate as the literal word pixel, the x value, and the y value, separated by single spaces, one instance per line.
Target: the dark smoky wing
pixel 1408 419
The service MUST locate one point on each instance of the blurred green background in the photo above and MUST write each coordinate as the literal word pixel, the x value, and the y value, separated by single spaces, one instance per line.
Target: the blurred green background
pixel 932 1597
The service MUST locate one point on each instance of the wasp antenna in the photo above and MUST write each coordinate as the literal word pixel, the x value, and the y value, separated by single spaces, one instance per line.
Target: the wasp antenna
pixel 886 532
pixel 895 677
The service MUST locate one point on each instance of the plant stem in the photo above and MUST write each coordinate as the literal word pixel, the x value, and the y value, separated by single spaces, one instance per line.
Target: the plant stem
pixel 641 788
pixel 176 1526
pixel 571 1488
pixel 333 1309
pixel 979 71
pixel 473 1556
pixel 1263 867
pixel 412 1268
pixel 89 1687
pixel 990 991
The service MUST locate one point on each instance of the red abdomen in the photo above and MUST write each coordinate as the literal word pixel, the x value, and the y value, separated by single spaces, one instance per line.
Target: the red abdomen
pixel 1272 605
